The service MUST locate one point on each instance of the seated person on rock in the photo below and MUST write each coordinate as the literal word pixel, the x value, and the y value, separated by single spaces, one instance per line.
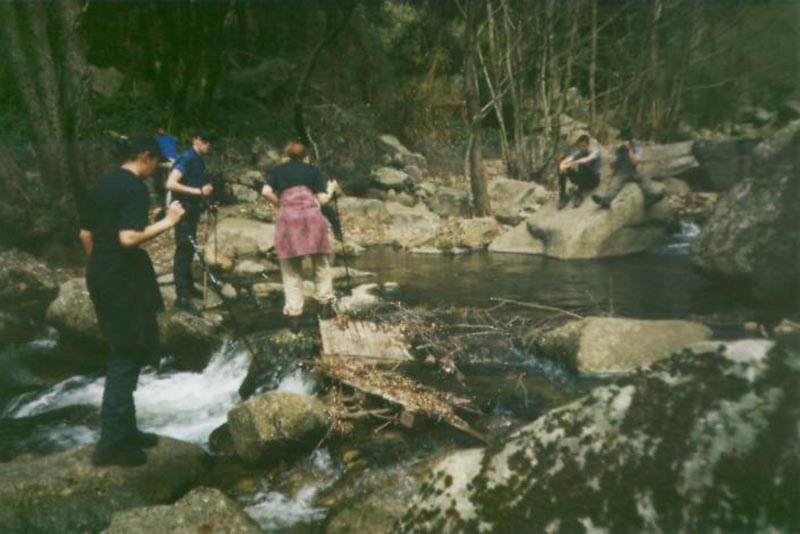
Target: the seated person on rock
pixel 582 168
pixel 626 160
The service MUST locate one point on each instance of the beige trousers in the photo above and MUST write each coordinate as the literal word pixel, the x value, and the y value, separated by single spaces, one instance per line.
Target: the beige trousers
pixel 292 274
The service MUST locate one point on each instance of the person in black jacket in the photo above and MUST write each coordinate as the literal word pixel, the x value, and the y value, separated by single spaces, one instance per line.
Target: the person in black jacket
pixel 123 288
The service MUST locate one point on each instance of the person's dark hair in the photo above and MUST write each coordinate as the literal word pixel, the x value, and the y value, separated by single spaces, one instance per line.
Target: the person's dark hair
pixel 584 138
pixel 295 151
pixel 129 147
pixel 206 135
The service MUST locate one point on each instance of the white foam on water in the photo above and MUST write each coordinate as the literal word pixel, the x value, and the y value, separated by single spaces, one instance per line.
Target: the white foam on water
pixel 182 405
pixel 274 510
pixel 298 382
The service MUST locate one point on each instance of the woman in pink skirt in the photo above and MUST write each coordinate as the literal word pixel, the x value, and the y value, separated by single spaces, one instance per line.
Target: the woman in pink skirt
pixel 298 190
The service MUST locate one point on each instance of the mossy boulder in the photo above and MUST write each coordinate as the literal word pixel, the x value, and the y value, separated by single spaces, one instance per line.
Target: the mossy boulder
pixel 700 442
pixel 65 493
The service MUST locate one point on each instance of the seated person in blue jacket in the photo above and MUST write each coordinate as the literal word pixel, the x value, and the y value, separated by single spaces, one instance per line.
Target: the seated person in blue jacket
pixel 582 168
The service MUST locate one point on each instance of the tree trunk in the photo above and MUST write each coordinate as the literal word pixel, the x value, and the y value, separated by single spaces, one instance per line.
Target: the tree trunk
pixel 47 59
pixel 480 194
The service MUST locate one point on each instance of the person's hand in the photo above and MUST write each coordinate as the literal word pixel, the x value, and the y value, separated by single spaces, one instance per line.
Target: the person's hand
pixel 207 190
pixel 175 212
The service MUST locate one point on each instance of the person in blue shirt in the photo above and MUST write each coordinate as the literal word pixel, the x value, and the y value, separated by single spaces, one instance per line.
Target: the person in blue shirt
pixel 627 158
pixel 168 144
pixel 582 168
pixel 190 186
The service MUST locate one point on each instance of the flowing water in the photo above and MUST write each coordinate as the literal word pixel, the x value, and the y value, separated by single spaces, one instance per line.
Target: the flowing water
pixel 189 406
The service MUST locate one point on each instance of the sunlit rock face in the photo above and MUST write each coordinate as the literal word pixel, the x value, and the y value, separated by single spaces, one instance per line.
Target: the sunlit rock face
pixel 706 439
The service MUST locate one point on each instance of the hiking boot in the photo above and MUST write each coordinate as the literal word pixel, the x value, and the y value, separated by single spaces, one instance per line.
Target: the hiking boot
pixel 125 456
pixel 186 305
pixel 562 201
pixel 146 440
pixel 577 200
pixel 602 201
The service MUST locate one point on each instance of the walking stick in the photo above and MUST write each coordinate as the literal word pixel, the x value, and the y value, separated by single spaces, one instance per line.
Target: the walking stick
pixel 216 285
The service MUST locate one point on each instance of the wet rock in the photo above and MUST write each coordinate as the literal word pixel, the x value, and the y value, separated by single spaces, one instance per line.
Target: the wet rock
pixel 191 339
pixel 73 312
pixel 242 238
pixel 15 373
pixel 753 235
pixel 724 162
pixel 271 426
pixel 388 178
pixel 362 300
pixel 220 441
pixel 697 442
pixel 277 356
pixel 450 202
pixel 476 233
pixel 27 285
pixel 201 510
pixel 510 215
pixel 65 493
pixel 590 232
pixel 614 345
pixel 676 186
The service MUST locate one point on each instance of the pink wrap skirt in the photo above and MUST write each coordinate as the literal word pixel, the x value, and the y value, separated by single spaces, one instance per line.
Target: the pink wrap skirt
pixel 301 229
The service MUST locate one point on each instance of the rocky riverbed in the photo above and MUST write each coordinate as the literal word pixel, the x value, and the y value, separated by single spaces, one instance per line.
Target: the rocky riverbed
pixel 618 393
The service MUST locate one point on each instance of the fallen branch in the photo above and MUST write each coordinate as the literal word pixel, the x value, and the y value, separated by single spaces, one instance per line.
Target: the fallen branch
pixel 535 306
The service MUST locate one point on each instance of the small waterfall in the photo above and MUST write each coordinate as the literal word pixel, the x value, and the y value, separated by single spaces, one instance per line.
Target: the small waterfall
pixel 182 405
pixel 682 240
pixel 276 511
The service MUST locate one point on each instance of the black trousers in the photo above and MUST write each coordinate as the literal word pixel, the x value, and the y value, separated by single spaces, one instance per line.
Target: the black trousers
pixel 118 413
pixel 584 177
pixel 182 263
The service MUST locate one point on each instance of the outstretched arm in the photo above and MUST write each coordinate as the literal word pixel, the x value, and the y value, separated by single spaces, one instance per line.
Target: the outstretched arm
pixel 132 238
pixel 174 184
pixel 269 194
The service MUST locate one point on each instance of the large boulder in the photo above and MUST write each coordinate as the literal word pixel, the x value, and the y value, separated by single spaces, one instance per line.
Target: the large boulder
pixel 241 238
pixel 277 356
pixel 191 339
pixel 27 285
pixel 73 312
pixel 508 194
pixel 200 510
pixel 700 442
pixel 476 233
pixel 724 162
pixel 449 202
pixel 65 493
pixel 669 160
pixel 753 235
pixel 613 345
pixel 268 427
pixel 416 217
pixel 590 232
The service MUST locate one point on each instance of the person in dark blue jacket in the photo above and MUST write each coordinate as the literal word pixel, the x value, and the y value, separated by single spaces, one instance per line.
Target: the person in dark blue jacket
pixel 190 186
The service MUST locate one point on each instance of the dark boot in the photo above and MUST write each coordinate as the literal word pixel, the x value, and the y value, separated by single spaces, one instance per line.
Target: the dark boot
pixel 602 201
pixel 294 323
pixel 146 440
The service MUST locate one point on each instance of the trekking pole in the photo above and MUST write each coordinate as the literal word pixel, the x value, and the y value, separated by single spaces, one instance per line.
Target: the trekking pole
pixel 216 285
pixel 344 252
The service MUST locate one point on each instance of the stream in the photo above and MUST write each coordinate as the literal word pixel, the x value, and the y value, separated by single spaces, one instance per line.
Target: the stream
pixel 189 406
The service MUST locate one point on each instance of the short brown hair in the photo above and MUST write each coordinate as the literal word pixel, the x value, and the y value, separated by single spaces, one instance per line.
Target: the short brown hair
pixel 584 138
pixel 295 151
